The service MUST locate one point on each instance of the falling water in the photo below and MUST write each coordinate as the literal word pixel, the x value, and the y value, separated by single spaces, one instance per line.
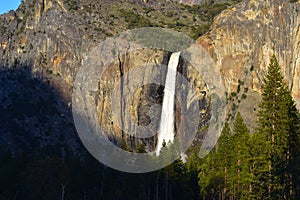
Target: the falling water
pixel 166 128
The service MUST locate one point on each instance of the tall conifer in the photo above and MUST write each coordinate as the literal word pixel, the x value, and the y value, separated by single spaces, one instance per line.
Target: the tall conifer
pixel 278 121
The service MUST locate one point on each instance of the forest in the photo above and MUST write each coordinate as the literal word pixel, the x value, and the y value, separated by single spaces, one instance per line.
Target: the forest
pixel 243 165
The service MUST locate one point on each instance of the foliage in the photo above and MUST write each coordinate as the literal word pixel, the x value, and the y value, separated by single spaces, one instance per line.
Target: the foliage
pixel 199 30
pixel 2 29
pixel 264 165
pixel 134 19
pixel 278 121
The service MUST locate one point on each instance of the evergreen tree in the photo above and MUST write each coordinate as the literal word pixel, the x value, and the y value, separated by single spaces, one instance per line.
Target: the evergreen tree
pixel 259 166
pixel 240 166
pixel 225 158
pixel 225 172
pixel 192 166
pixel 210 182
pixel 141 148
pixel 278 121
pixel 292 154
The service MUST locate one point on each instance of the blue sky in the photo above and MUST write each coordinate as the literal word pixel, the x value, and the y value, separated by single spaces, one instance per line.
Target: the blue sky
pixel 7 5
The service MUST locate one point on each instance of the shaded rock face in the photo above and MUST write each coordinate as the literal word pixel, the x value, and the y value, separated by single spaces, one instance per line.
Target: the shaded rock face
pixel 131 108
pixel 134 111
pixel 242 40
pixel 53 38
pixel 33 117
pixel 41 35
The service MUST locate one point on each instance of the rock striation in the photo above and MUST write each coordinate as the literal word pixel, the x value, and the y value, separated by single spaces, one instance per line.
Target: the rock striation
pixel 242 40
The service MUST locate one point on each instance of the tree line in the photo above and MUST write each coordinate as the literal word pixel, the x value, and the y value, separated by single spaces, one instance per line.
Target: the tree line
pixel 264 165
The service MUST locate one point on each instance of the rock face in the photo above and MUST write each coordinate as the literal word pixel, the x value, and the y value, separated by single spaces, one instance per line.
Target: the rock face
pixel 129 108
pixel 50 39
pixel 54 36
pixel 242 40
pixel 119 117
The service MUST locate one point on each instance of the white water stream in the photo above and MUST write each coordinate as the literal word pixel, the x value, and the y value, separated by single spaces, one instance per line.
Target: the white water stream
pixel 166 129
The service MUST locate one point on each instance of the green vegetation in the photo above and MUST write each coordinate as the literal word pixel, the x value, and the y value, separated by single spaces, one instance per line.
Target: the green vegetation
pixel 279 123
pixel 73 4
pixel 225 172
pixel 199 30
pixel 134 19
pixel 2 30
pixel 264 165
pixel 193 21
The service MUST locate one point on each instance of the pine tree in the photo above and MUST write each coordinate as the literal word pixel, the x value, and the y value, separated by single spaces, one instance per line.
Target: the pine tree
pixel 141 148
pixel 210 182
pixel 259 166
pixel 292 154
pixel 225 158
pixel 192 166
pixel 278 121
pixel 241 175
pixel 124 145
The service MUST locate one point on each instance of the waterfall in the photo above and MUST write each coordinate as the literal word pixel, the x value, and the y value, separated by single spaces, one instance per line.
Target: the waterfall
pixel 166 127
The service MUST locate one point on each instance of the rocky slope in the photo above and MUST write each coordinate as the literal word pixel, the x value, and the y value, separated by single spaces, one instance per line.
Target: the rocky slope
pixel 242 40
pixel 52 38
pixel 201 2
pixel 48 40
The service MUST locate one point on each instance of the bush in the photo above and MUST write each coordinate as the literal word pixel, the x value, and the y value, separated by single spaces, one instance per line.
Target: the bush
pixel 244 96
pixel 2 30
pixel 199 30
pixel 233 94
pixel 234 107
pixel 134 20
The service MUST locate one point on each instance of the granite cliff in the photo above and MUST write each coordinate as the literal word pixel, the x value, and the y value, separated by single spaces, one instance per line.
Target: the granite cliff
pixel 242 40
pixel 54 36
pixel 51 39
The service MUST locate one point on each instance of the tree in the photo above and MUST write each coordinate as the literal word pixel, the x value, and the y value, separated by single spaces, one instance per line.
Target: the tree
pixel 241 175
pixel 44 178
pixel 192 164
pixel 225 157
pixel 259 166
pixel 141 148
pixel 225 172
pixel 215 179
pixel 279 122
pixel 210 182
